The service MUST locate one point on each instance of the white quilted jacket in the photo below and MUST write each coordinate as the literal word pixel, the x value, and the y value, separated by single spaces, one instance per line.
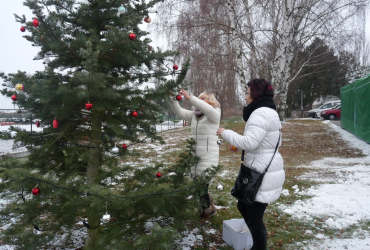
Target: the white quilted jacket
pixel 203 131
pixel 259 140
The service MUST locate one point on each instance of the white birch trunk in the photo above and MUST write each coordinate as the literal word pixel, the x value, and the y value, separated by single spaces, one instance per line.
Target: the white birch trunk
pixel 253 67
pixel 281 72
pixel 237 43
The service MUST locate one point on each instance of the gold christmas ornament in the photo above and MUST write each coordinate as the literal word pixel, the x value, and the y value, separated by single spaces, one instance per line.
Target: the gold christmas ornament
pixel 19 87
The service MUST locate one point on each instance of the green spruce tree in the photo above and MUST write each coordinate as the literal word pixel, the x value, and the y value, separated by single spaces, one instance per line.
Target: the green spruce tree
pixel 94 55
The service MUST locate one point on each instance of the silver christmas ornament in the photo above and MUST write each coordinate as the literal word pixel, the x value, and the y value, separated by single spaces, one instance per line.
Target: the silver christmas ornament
pixel 219 187
pixel 121 10
pixel 115 150
pixel 106 218
pixel 220 141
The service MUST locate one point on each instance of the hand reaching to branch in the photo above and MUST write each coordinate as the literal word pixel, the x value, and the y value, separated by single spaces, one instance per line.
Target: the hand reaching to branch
pixel 185 94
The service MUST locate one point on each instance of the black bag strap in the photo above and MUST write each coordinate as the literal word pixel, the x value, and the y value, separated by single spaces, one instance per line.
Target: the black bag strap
pixel 277 145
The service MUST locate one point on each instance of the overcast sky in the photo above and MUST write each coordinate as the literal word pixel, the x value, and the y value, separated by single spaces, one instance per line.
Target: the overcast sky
pixel 16 53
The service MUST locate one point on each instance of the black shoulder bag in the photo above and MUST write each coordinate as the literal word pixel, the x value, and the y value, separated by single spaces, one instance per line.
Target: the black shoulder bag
pixel 249 181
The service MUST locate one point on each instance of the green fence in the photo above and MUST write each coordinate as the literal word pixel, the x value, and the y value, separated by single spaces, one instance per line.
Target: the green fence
pixel 355 109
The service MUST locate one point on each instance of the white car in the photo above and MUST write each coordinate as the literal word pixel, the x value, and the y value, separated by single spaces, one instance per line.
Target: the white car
pixel 318 113
pixel 315 113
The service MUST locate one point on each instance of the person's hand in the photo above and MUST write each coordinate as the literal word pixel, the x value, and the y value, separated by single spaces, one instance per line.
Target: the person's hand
pixel 232 148
pixel 219 131
pixel 185 94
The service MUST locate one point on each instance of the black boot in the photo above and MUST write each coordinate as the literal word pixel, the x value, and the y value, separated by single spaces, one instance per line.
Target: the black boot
pixel 260 239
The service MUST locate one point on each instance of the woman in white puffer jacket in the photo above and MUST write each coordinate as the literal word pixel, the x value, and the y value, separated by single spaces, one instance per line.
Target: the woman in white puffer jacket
pixel 261 135
pixel 205 120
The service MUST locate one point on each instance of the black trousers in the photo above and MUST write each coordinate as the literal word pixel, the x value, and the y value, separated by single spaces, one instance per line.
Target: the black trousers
pixel 253 217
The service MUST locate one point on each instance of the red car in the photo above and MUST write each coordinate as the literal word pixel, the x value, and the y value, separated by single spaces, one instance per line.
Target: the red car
pixel 331 114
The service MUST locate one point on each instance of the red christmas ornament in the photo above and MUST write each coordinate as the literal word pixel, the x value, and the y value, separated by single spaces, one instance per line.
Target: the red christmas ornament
pixel 37 123
pixel 149 47
pixel 134 114
pixel 147 19
pixel 35 191
pixel 124 146
pixel 55 123
pixel 159 175
pixel 179 97
pixel 132 36
pixel 35 22
pixel 23 29
pixel 14 98
pixel 175 67
pixel 88 106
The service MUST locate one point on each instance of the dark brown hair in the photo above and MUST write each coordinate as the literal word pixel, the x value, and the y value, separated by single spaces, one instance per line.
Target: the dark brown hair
pixel 259 88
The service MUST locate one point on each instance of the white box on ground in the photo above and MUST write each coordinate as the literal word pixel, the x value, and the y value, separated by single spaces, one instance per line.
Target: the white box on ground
pixel 236 234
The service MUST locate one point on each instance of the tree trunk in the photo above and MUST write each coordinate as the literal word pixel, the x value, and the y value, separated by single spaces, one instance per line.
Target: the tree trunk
pixel 92 176
pixel 284 56
pixel 253 67
pixel 237 44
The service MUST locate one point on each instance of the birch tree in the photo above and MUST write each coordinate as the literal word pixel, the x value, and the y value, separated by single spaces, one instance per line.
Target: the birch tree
pixel 303 20
pixel 265 36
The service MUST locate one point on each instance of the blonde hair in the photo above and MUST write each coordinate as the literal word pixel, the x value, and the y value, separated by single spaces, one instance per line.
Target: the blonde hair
pixel 211 99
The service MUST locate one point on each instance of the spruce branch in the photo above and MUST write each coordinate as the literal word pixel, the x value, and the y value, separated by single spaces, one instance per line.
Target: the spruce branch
pixel 20 19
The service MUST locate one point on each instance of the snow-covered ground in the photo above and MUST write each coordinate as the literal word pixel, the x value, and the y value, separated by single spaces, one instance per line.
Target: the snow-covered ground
pixel 342 199
pixel 6 146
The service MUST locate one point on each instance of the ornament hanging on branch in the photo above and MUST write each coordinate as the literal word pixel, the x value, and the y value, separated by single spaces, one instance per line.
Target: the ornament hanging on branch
pixel 158 174
pixel 35 22
pixel 121 10
pixel 179 97
pixel 134 114
pixel 106 217
pixel 88 106
pixel 175 67
pixel 149 47
pixel 19 87
pixel 147 19
pixel 36 190
pixel 132 36
pixel 23 29
pixel 55 123
pixel 37 123
pixel 124 146
pixel 219 187
pixel 14 98
pixel 114 150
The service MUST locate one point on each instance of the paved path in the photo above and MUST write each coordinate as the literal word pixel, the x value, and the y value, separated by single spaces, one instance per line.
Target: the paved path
pixel 336 122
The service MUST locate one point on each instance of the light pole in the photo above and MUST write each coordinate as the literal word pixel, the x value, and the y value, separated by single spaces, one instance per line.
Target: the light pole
pixel 302 103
